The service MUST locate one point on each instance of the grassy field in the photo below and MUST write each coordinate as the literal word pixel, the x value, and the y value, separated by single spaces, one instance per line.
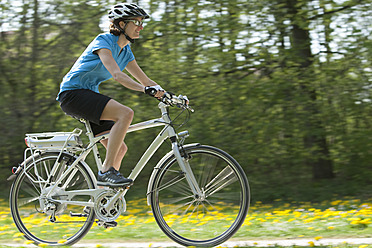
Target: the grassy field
pixel 344 218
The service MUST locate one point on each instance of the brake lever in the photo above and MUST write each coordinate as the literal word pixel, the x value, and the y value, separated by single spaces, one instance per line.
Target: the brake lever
pixel 189 108
pixel 180 101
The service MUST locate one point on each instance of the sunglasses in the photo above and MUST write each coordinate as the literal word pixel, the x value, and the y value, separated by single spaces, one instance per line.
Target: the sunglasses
pixel 136 22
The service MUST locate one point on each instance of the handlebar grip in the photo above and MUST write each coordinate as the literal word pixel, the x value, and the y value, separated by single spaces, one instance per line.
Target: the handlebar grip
pixel 150 91
pixel 172 99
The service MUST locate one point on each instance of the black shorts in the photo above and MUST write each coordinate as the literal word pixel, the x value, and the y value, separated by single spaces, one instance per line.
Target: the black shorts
pixel 88 105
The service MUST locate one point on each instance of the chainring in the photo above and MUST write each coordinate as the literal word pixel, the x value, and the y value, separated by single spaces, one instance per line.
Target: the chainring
pixel 112 213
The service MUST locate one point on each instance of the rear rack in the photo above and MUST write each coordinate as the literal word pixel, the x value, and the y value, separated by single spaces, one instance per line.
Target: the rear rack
pixel 51 141
pixel 70 141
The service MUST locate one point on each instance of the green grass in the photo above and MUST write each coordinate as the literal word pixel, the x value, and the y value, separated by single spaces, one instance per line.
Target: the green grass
pixel 344 218
pixel 98 245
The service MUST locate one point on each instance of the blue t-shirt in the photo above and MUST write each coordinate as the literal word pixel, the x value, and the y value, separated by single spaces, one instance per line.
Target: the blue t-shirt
pixel 88 71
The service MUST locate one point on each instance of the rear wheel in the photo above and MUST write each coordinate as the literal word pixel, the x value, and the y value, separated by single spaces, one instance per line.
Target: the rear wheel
pixel 43 220
pixel 208 219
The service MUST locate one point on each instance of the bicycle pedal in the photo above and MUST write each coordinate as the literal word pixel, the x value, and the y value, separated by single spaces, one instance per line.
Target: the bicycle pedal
pixel 128 186
pixel 78 215
pixel 110 224
pixel 113 186
pixel 121 187
pixel 107 224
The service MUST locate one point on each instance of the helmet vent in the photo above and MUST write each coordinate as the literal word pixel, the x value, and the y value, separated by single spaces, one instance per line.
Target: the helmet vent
pixel 126 11
pixel 118 12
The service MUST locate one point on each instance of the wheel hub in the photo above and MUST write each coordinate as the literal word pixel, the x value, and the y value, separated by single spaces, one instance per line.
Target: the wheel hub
pixel 49 206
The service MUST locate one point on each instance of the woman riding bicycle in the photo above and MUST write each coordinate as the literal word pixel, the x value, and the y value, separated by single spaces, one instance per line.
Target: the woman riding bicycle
pixel 106 57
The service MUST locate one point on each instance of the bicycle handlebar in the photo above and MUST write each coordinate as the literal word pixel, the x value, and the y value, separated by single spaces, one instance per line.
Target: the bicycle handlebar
pixel 180 101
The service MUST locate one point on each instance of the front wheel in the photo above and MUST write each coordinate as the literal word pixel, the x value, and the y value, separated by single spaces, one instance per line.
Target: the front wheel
pixel 200 220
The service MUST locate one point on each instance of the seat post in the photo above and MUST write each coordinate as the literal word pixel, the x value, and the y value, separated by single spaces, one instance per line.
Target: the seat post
pixel 90 135
pixel 89 132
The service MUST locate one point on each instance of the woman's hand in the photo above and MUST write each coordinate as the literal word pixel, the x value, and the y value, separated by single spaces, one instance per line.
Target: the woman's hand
pixel 156 91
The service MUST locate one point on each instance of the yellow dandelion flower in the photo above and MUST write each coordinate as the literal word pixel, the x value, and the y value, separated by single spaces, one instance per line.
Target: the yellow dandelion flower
pixel 28 242
pixel 98 245
pixel 362 246
pixel 18 235
pixel 365 221
pixel 334 203
pixel 42 245
pixel 150 245
pixel 354 219
pixel 330 227
pixel 62 241
pixel 311 243
pixel 318 238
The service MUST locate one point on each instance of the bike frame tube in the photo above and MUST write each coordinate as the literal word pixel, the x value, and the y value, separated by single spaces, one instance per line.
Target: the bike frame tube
pixel 167 132
pixel 164 134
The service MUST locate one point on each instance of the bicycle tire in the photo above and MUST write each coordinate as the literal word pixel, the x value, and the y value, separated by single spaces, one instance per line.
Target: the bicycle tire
pixel 193 221
pixel 25 204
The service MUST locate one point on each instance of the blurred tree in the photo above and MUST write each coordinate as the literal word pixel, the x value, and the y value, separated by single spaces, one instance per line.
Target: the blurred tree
pixel 284 85
pixel 47 38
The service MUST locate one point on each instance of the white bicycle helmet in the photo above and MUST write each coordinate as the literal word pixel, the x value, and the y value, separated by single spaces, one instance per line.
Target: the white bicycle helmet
pixel 126 11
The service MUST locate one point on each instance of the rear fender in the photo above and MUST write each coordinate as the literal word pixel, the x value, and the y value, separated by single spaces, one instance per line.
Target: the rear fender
pixel 28 162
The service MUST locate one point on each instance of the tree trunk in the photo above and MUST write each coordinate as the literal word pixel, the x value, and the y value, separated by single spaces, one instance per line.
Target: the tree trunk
pixel 34 57
pixel 315 139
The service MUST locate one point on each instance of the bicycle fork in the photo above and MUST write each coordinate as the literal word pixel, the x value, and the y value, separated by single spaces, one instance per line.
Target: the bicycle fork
pixel 183 162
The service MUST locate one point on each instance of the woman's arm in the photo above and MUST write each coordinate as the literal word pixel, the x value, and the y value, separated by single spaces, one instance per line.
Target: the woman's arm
pixel 134 69
pixel 109 62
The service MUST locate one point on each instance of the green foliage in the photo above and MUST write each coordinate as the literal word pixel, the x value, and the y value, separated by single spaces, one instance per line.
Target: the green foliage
pixel 284 86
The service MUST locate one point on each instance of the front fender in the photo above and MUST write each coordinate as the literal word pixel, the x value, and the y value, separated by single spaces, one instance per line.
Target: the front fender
pixel 158 167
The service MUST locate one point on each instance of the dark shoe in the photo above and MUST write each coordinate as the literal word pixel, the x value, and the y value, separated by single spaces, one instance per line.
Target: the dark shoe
pixel 112 178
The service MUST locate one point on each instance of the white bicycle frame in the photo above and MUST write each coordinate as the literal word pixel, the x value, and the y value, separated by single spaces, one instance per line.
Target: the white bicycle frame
pixel 167 132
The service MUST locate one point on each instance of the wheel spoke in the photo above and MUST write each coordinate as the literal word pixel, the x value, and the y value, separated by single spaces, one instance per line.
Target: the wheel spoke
pixel 24 201
pixel 32 213
pixel 201 220
pixel 170 183
pixel 33 182
pixel 220 184
pixel 208 164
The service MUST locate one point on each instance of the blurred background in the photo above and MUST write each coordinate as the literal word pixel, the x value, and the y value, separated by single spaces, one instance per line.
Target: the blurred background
pixel 285 86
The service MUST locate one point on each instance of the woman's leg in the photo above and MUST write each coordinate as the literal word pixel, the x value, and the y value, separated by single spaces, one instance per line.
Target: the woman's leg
pixel 122 116
pixel 121 153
